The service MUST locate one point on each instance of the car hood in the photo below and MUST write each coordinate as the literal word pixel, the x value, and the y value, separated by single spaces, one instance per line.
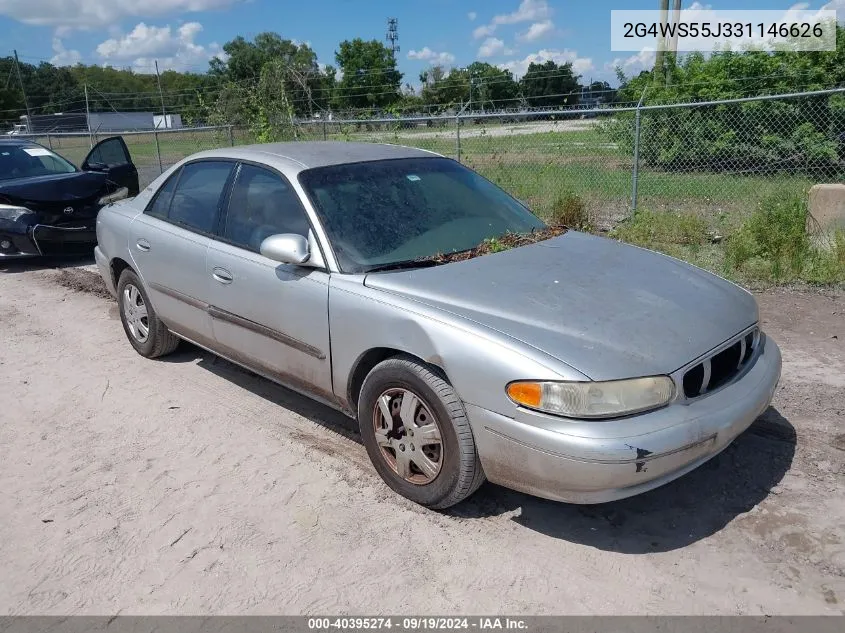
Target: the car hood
pixel 607 309
pixel 80 185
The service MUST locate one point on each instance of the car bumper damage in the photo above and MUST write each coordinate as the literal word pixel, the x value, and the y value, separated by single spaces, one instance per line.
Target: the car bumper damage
pixel 535 454
pixel 21 239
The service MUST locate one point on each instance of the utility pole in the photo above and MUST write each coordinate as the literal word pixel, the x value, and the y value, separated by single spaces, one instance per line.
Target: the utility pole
pixel 660 57
pixel 161 95
pixel 673 46
pixel 676 17
pixel 88 118
pixel 25 102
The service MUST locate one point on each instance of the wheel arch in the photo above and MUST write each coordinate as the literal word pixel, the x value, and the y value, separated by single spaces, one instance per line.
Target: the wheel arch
pixel 372 357
pixel 117 266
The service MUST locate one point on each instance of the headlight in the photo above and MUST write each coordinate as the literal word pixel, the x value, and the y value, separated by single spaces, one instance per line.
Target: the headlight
pixel 594 399
pixel 120 194
pixel 13 213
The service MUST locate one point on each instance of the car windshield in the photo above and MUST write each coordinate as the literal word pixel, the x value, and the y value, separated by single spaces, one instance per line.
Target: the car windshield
pixel 26 161
pixel 388 212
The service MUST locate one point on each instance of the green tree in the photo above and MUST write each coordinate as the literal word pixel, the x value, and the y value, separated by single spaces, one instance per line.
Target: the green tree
pixel 370 78
pixel 295 66
pixel 549 85
pixel 747 137
pixel 492 87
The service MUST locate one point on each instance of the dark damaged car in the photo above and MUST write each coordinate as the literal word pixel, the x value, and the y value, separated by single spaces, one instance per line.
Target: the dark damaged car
pixel 48 206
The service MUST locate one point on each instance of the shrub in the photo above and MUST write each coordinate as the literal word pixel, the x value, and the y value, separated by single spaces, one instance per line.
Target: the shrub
pixel 569 210
pixel 776 233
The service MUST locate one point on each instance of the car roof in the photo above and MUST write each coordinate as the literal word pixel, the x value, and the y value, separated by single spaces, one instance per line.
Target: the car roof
pixel 310 154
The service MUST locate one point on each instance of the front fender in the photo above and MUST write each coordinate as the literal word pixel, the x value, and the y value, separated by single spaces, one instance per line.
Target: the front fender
pixel 478 362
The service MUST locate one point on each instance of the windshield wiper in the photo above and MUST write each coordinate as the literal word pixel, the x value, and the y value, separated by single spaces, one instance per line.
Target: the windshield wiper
pixel 403 265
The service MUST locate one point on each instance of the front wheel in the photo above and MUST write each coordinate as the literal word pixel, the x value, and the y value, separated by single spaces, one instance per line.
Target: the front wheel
pixel 417 435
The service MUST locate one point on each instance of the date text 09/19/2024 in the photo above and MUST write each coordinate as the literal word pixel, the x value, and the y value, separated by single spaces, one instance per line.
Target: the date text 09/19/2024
pixel 415 623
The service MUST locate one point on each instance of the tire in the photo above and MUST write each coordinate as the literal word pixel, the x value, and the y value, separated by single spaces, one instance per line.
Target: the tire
pixel 133 302
pixel 409 471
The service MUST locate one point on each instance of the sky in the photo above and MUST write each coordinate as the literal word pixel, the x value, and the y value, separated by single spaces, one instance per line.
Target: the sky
pixel 185 34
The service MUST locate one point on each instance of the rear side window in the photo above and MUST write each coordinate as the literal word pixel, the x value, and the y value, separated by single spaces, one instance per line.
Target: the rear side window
pixel 196 199
pixel 160 205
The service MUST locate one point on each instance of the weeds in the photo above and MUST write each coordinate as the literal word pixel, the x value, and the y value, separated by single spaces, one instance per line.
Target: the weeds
pixel 653 230
pixel 569 210
pixel 775 233
pixel 771 244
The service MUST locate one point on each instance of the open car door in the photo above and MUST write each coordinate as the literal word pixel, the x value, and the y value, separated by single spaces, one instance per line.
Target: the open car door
pixel 112 156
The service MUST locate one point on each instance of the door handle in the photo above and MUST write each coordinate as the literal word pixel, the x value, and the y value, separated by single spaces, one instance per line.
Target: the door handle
pixel 222 275
pixel 142 244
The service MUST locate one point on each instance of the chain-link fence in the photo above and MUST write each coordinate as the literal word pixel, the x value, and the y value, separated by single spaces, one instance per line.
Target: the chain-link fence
pixel 152 152
pixel 714 157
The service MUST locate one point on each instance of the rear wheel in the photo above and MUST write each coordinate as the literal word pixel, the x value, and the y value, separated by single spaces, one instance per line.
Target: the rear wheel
pixel 417 434
pixel 145 331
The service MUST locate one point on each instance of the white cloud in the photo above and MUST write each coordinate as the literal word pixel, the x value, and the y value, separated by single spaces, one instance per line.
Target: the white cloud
pixel 483 31
pixel 698 6
pixel 472 15
pixel 493 46
pixel 580 65
pixel 174 49
pixel 64 57
pixel 537 31
pixel 84 14
pixel 528 11
pixel 839 7
pixel 635 64
pixel 428 55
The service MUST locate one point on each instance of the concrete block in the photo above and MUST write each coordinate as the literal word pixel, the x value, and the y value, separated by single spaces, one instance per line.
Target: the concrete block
pixel 826 208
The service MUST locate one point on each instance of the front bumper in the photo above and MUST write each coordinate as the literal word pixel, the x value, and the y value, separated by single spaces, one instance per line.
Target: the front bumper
pixel 656 447
pixel 44 239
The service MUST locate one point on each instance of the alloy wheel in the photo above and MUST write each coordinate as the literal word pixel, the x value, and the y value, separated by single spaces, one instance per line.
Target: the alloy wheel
pixel 408 436
pixel 135 313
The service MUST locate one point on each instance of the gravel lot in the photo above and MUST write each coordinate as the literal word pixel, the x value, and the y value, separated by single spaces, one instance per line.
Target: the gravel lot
pixel 189 486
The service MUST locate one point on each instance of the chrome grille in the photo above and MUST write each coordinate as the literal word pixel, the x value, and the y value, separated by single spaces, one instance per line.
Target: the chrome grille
pixel 720 368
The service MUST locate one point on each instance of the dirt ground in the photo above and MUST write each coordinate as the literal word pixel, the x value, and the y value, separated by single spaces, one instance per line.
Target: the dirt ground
pixel 189 486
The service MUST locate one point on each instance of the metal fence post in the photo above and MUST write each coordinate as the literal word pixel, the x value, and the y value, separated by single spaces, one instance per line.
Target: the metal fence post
pixel 231 137
pixel 49 141
pixel 325 130
pixel 635 174
pixel 458 137
pixel 158 152
pixel 636 170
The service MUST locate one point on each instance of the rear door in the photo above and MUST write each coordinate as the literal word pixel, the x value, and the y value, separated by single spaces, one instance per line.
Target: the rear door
pixel 169 242
pixel 112 156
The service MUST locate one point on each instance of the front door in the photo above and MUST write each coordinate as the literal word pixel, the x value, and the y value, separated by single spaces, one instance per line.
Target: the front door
pixel 271 316
pixel 169 244
pixel 112 156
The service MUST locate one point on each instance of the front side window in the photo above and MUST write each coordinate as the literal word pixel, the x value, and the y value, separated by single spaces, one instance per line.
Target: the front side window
pixel 196 199
pixel 28 161
pixel 111 152
pixel 386 212
pixel 262 204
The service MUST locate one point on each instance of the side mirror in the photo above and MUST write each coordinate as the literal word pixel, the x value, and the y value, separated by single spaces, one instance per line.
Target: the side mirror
pixel 287 248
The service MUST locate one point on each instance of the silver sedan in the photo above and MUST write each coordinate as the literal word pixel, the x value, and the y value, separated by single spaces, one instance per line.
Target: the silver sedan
pixel 575 368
